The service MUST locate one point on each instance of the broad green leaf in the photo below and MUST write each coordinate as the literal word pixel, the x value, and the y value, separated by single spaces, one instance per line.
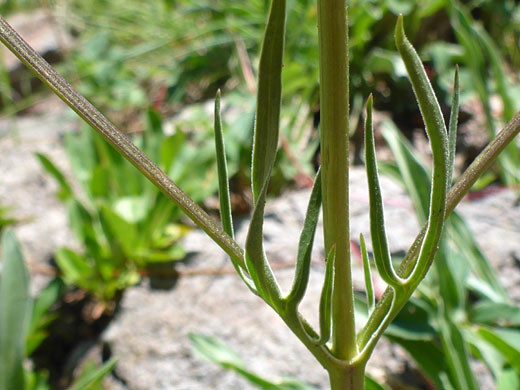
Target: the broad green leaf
pixel 120 231
pixel 451 273
pixel 176 252
pixel 92 377
pixel 15 306
pixel 506 341
pixel 81 154
pixel 380 246
pixel 456 354
pixel 412 323
pixel 132 209
pixel 495 313
pixel 65 191
pixel 427 355
pixel 73 266
pixel 170 149
pixel 216 351
pixel 481 349
pixel 153 135
pixel 508 379
pixel 303 259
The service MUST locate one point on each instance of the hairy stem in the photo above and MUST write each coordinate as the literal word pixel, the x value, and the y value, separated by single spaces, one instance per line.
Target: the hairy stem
pixel 10 38
pixel 334 129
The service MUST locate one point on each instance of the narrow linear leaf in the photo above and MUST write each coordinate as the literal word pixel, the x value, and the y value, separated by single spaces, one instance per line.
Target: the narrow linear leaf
pixel 456 354
pixel 85 382
pixel 371 299
pixel 15 306
pixel 382 256
pixel 223 180
pixel 326 299
pixel 269 97
pixel 256 262
pixel 303 260
pixel 264 148
pixel 223 189
pixel 436 129
pixel 454 118
pixel 506 342
pixel 65 189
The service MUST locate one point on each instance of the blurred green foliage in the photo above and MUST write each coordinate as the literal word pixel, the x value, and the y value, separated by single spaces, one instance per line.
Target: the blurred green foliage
pixel 5 218
pixel 217 351
pixel 124 222
pixel 23 323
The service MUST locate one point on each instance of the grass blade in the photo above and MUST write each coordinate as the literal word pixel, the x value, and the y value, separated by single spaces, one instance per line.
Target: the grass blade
pixel 15 306
pixel 93 377
pixel 377 220
pixel 303 260
pixel 65 191
pixel 371 299
pixel 456 354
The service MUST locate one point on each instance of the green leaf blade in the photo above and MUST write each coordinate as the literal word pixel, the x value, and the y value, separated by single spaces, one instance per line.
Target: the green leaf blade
pixel 223 180
pixel 15 306
pixel 269 97
pixel 303 259
pixel 377 220
pixel 264 148
pixel 437 134
pixel 326 300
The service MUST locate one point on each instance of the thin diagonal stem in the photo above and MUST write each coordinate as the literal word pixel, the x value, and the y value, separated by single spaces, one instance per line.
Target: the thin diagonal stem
pixel 10 38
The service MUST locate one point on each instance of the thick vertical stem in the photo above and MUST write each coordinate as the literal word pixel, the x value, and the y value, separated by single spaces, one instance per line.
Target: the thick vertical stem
pixel 334 118
pixel 351 377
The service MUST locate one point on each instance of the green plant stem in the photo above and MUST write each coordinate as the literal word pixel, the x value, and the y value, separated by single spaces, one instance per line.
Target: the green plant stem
pixel 117 139
pixel 375 326
pixel 351 377
pixel 334 129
